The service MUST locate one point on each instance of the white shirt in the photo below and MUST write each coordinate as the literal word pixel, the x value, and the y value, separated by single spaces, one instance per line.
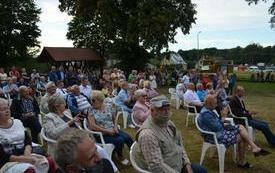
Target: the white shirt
pixel 3 77
pixel 192 97
pixel 180 88
pixel 61 92
pixel 186 79
pixel 86 90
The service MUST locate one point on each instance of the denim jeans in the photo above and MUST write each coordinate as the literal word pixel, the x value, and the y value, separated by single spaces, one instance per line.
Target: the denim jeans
pixel 198 168
pixel 263 126
pixel 119 140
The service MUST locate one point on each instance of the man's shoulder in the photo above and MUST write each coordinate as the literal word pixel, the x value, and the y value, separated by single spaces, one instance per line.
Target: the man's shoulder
pixel 146 134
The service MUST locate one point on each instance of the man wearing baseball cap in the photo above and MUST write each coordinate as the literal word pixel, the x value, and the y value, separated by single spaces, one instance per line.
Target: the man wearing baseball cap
pixel 160 148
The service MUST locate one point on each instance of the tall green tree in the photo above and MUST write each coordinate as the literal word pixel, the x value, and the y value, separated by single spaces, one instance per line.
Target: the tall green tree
pixel 18 30
pixel 271 10
pixel 137 24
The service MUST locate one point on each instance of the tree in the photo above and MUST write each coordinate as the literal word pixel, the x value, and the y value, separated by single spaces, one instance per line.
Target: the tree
pixel 271 10
pixel 18 30
pixel 149 25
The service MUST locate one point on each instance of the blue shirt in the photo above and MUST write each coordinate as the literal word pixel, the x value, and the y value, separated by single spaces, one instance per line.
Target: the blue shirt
pixel 209 121
pixel 201 94
pixel 121 97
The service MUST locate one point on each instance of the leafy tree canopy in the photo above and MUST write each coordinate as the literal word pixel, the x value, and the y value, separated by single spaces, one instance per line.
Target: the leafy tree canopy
pixel 149 24
pixel 18 30
pixel 271 10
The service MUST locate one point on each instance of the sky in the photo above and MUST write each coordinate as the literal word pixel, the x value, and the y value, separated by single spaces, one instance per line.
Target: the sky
pixel 220 23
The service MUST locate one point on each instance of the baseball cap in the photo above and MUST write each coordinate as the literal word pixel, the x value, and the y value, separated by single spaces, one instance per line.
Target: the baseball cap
pixel 159 101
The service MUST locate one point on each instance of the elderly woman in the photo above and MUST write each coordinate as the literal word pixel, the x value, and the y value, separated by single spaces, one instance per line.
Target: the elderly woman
pixel 15 146
pixel 59 120
pixel 149 90
pixel 141 109
pixel 103 120
pixel 227 135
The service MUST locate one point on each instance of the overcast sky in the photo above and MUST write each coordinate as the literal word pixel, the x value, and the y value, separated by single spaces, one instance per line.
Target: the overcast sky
pixel 223 24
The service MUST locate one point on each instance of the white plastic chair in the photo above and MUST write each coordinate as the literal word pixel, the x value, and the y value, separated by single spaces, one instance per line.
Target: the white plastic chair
pixel 125 115
pixel 245 120
pixel 220 147
pixel 108 147
pixel 173 96
pixel 133 158
pixel 189 113
pixel 133 121
pixel 51 142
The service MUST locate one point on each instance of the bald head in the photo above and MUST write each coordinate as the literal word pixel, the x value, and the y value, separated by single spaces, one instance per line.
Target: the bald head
pixel 75 90
pixel 210 102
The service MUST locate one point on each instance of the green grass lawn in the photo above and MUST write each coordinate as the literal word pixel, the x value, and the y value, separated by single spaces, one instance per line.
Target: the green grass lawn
pixel 259 96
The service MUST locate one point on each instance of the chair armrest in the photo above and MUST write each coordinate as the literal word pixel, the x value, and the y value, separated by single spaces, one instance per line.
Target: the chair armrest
pixel 241 118
pixel 46 138
pixel 229 121
pixel 93 132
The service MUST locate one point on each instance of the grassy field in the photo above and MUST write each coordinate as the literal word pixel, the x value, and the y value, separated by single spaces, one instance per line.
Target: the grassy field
pixel 259 96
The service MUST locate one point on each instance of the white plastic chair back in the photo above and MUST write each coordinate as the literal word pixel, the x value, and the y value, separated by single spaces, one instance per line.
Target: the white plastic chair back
pixel 124 116
pixel 133 121
pixel 108 147
pixel 190 114
pixel 173 97
pixel 248 127
pixel 51 142
pixel 133 162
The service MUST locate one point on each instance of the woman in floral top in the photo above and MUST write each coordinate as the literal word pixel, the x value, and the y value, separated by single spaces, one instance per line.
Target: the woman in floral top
pixel 103 120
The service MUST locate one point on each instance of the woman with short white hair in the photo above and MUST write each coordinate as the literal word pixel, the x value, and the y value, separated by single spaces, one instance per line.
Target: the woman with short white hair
pixel 141 109
pixel 16 146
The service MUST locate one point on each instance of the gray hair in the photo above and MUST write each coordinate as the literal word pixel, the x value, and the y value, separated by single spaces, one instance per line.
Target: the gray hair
pixel 3 101
pixel 49 84
pixel 139 92
pixel 98 95
pixel 21 89
pixel 54 101
pixel 65 153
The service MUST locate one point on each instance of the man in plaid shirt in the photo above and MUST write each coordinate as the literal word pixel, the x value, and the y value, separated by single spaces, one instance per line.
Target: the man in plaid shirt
pixel 160 148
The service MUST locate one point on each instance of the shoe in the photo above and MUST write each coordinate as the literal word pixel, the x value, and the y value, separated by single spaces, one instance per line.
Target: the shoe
pixel 131 126
pixel 125 162
pixel 261 152
pixel 245 166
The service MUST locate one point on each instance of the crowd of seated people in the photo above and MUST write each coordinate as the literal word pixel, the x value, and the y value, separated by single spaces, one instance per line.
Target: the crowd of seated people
pixel 67 98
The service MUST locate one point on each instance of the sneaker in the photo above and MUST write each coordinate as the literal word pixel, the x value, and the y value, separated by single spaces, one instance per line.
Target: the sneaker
pixel 125 162
pixel 131 126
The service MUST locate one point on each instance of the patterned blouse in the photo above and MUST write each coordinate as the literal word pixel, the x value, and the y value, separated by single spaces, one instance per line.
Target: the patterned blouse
pixel 104 118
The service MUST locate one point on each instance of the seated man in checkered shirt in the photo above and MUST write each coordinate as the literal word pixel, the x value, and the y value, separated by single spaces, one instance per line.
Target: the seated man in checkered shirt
pixel 160 148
